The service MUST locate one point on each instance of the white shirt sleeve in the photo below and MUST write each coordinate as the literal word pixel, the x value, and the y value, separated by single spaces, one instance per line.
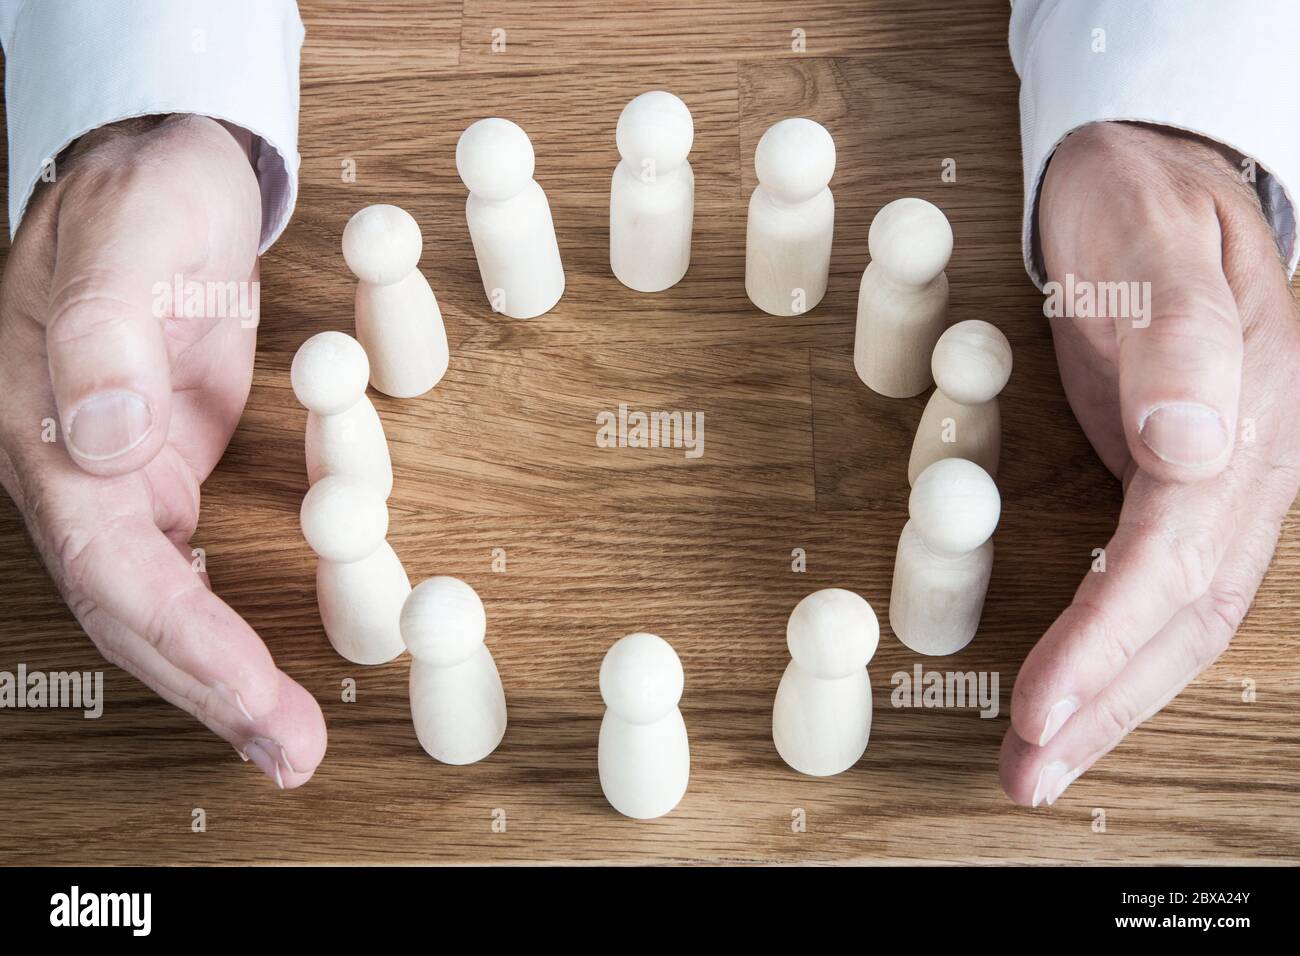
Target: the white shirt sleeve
pixel 75 65
pixel 1229 71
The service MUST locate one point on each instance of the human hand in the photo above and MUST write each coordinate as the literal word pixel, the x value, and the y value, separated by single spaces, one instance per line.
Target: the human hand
pixel 1196 412
pixel 146 402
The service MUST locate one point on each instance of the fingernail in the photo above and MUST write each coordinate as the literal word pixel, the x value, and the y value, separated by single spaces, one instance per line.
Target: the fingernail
pixel 267 754
pixel 231 697
pixel 1061 711
pixel 1048 780
pixel 1185 433
pixel 1063 784
pixel 284 759
pixel 108 425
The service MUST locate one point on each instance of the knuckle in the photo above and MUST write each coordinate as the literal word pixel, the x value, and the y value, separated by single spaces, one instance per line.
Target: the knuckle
pixel 73 547
pixel 108 168
pixel 1105 638
pixel 1220 616
pixel 198 700
pixel 1196 553
pixel 1192 338
pixel 1178 559
pixel 1111 716
pixel 82 607
pixel 190 695
pixel 171 617
pixel 158 630
pixel 113 646
pixel 1115 650
pixel 1197 297
pixel 176 500
pixel 109 650
pixel 83 309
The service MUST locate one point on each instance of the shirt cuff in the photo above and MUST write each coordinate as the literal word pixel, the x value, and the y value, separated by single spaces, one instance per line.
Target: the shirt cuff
pixel 76 65
pixel 1221 70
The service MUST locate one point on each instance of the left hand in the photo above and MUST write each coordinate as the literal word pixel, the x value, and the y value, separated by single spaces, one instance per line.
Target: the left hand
pixel 145 401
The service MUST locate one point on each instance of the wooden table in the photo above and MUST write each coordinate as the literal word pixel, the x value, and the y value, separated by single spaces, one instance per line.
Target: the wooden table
pixel 602 542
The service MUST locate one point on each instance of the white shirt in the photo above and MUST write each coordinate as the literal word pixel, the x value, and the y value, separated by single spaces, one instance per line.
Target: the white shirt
pixel 75 65
pixel 1214 67
pixel 1227 69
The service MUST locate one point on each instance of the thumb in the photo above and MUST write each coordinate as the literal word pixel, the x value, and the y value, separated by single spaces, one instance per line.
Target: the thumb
pixel 1180 355
pixel 105 340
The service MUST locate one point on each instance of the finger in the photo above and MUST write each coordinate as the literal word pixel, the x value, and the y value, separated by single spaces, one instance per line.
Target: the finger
pixel 1180 362
pixel 1087 368
pixel 1164 555
pixel 287 743
pixel 1162 667
pixel 210 385
pixel 127 567
pixel 118 243
pixel 1032 775
pixel 290 740
pixel 1131 230
pixel 151 612
pixel 1158 672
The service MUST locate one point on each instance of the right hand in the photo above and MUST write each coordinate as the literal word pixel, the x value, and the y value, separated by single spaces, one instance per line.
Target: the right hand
pixel 145 405
pixel 1194 408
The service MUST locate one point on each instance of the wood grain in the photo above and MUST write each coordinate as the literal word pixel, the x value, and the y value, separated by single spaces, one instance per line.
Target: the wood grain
pixel 379 39
pixel 675 31
pixel 601 542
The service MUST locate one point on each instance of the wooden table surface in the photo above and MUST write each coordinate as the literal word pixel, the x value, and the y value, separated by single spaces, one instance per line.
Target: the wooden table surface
pixel 603 542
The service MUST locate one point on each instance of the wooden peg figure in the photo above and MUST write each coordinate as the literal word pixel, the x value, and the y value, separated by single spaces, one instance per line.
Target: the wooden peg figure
pixel 971 365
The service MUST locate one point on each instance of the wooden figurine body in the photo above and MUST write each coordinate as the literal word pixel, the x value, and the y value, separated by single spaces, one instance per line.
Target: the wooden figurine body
pixel 652 194
pixel 945 557
pixel 821 719
pixel 509 220
pixel 971 365
pixel 360 582
pixel 458 705
pixel 397 316
pixel 903 298
pixel 359 602
pixel 643 755
pixel 344 434
pixel 791 218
